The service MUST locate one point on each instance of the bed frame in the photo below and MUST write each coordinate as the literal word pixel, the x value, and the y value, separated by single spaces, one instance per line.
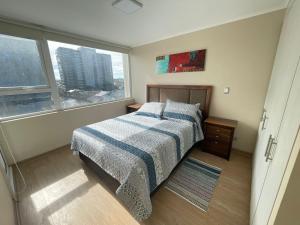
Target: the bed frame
pixel 160 93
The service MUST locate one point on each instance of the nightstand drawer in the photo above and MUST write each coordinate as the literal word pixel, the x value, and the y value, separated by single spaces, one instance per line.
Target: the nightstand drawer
pixel 218 137
pixel 216 147
pixel 215 130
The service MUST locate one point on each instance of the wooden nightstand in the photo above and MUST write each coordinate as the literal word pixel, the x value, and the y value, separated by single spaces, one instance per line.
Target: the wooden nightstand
pixel 218 136
pixel 133 107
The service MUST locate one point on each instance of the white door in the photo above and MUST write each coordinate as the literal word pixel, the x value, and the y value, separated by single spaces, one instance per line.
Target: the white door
pixel 279 154
pixel 260 166
pixel 280 84
pixel 284 68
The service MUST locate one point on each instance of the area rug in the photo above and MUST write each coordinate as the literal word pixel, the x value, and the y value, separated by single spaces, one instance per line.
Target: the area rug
pixel 194 181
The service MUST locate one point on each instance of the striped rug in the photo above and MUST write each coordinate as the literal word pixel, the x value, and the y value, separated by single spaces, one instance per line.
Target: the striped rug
pixel 194 181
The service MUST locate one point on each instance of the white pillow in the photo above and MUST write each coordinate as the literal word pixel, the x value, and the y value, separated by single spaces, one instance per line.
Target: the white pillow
pixel 185 112
pixel 182 111
pixel 151 109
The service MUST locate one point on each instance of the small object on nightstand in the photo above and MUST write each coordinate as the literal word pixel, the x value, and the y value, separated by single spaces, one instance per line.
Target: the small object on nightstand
pixel 218 134
pixel 133 107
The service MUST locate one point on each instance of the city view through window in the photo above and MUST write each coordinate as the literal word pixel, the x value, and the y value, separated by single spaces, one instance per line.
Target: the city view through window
pixel 82 75
pixel 87 75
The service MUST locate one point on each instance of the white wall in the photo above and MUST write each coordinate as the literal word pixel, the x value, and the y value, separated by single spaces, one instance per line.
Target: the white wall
pixel 239 55
pixel 33 136
pixel 7 214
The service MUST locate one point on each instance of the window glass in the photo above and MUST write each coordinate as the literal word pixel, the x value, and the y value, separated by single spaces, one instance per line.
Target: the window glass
pixel 20 63
pixel 82 76
pixel 12 105
pixel 87 75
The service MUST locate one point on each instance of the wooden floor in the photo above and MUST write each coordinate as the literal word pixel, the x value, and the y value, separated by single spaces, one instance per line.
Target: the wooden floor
pixel 63 190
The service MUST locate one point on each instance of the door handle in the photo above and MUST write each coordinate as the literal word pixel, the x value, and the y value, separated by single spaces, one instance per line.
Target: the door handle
pixel 268 145
pixel 264 121
pixel 263 115
pixel 269 156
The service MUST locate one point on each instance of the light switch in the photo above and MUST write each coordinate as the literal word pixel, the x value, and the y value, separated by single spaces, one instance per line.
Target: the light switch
pixel 226 90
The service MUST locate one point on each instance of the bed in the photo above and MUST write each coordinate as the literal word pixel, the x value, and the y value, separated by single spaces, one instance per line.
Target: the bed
pixel 140 151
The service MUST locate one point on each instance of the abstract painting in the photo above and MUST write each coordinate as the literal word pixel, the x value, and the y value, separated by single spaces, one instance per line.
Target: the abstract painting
pixel 181 62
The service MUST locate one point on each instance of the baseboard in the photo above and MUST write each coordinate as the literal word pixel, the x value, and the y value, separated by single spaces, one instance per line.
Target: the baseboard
pixel 244 153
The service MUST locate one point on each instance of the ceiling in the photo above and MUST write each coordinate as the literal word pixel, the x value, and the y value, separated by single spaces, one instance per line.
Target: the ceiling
pixel 158 19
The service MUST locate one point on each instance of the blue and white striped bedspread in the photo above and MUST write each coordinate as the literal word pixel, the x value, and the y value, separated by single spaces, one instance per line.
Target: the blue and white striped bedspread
pixel 139 151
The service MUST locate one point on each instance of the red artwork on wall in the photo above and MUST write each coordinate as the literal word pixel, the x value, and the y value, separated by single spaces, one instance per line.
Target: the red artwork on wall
pixel 181 62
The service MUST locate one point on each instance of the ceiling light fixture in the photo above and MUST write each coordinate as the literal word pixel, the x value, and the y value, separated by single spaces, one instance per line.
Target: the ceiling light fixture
pixel 127 6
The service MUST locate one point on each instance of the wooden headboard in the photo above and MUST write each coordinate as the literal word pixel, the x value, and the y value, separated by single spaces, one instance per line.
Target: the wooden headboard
pixel 191 94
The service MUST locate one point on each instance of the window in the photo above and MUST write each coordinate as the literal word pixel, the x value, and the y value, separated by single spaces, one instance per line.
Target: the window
pixel 12 105
pixel 44 75
pixel 87 75
pixel 20 63
pixel 24 86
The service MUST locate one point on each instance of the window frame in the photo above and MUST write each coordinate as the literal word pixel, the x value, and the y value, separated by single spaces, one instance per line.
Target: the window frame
pixel 29 89
pixel 41 37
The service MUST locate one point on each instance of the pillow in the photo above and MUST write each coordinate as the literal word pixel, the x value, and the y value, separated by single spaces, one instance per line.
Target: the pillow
pixel 151 109
pixel 185 112
pixel 182 111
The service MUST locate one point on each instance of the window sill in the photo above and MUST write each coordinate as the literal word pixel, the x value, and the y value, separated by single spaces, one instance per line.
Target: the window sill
pixel 36 114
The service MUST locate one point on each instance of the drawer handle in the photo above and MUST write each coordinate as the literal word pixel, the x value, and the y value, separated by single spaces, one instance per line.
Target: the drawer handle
pixel 218 130
pixel 217 136
pixel 216 142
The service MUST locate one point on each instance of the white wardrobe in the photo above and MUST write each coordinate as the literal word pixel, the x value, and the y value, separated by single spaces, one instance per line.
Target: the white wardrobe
pixel 280 120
